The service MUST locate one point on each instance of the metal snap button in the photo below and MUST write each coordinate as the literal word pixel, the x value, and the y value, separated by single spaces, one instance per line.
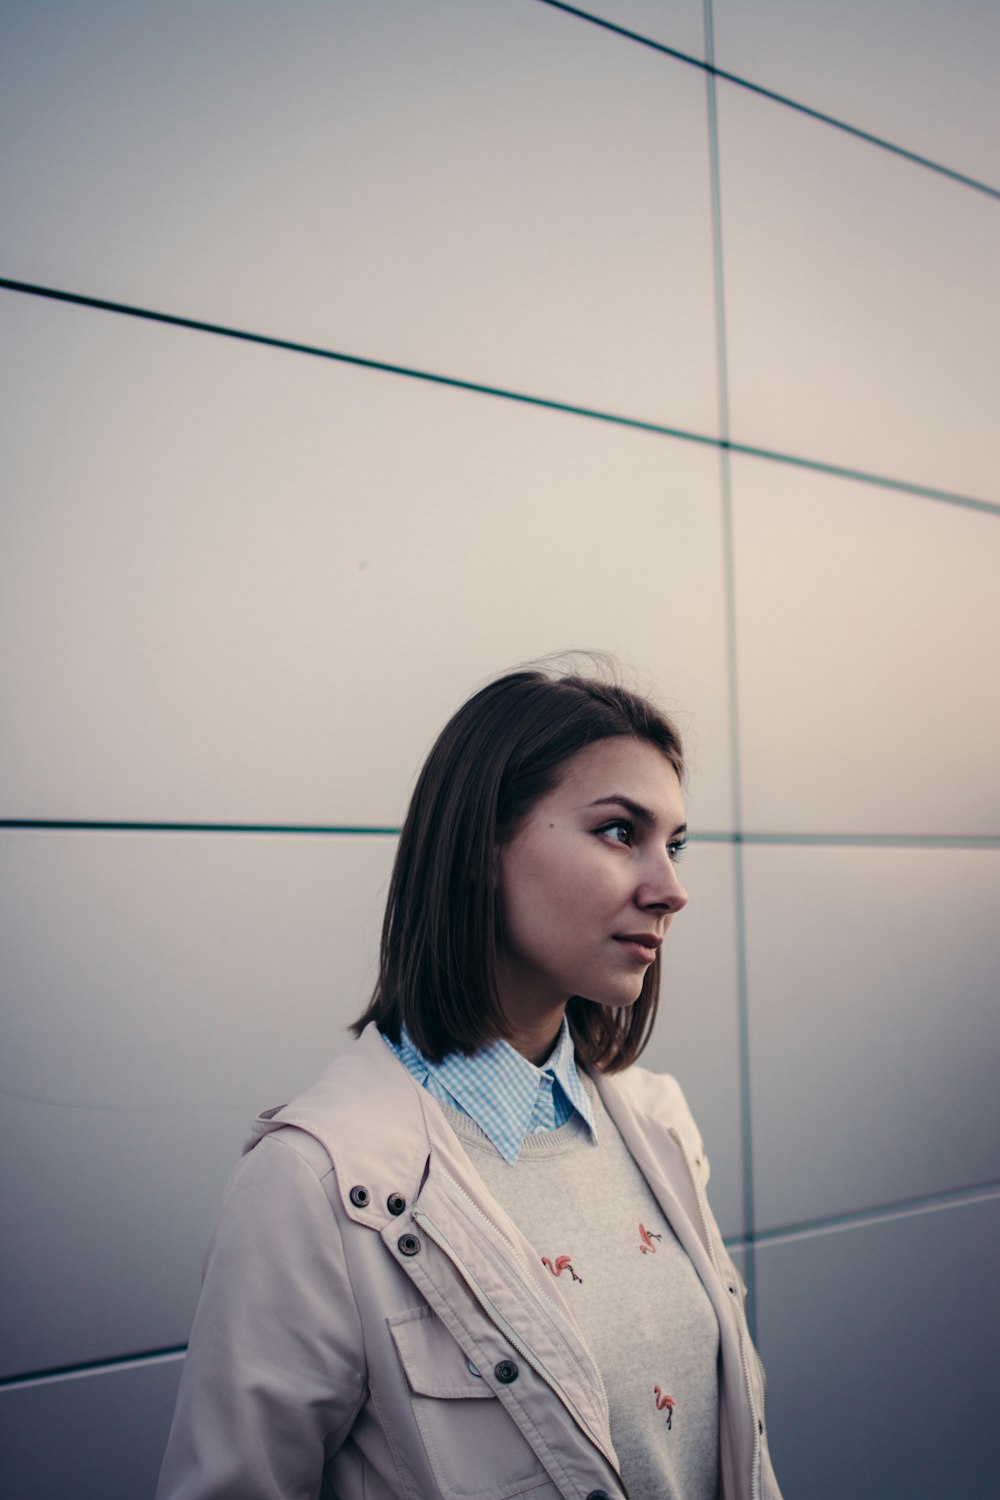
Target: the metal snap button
pixel 408 1244
pixel 598 1495
pixel 506 1371
pixel 360 1197
pixel 395 1203
pixel 473 1370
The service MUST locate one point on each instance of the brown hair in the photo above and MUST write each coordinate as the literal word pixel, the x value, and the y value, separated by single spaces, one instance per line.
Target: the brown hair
pixel 501 752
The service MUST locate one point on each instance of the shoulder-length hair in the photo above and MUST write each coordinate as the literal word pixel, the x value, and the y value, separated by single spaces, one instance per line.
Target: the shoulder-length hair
pixel 502 751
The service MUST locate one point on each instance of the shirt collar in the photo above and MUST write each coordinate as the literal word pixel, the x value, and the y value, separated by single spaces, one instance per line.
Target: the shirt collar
pixel 498 1088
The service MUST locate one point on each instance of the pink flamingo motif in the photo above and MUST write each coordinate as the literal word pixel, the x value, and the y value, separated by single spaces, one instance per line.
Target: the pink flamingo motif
pixel 665 1403
pixel 562 1263
pixel 647 1237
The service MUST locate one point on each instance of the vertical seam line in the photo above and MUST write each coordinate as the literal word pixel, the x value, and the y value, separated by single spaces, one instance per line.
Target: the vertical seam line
pixel 729 581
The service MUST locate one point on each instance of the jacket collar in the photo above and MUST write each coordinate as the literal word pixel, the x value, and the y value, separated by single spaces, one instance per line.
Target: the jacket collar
pixel 376 1124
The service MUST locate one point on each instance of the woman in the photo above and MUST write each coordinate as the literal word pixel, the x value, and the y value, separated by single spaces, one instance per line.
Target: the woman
pixel 476 1259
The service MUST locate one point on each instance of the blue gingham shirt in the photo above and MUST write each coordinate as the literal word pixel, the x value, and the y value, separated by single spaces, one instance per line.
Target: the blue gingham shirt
pixel 507 1096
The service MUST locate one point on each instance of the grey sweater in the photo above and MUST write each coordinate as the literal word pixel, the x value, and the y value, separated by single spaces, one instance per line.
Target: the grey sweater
pixel 639 1305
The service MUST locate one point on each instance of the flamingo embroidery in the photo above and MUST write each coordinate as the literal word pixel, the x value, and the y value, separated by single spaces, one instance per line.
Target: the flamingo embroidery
pixel 646 1238
pixel 665 1403
pixel 562 1263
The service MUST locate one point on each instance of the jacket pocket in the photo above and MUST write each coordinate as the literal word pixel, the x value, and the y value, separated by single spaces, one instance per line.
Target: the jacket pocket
pixel 473 1446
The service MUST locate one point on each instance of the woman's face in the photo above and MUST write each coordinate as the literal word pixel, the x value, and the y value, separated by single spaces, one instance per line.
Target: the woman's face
pixel 588 884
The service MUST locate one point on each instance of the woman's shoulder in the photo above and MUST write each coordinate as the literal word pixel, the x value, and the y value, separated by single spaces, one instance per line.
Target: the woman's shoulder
pixel 363 1118
pixel 657 1094
pixel 659 1097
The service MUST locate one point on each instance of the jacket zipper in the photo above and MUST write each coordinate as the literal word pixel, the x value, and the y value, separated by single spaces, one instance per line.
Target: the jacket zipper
pixel 467 1198
pixel 500 1322
pixel 571 1330
pixel 741 1323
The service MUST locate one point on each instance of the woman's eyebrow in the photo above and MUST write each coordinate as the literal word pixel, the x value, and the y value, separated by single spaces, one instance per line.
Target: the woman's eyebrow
pixel 640 813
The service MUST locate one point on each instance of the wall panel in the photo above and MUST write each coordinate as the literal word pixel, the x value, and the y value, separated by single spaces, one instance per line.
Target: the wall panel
pixel 880 1343
pixel 868 630
pixel 874 1028
pixel 98 1434
pixel 158 990
pixel 249 586
pixel 863 326
pixel 480 190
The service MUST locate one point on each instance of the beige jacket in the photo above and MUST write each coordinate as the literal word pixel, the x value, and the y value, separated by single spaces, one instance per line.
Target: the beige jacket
pixel 373 1326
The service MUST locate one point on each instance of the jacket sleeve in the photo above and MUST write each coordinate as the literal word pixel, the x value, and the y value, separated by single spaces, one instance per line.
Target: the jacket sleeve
pixel 275 1372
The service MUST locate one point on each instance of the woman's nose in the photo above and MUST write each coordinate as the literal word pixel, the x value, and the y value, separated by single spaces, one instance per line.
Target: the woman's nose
pixel 664 889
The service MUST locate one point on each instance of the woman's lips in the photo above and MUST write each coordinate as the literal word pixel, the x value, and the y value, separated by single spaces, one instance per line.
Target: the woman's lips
pixel 642 947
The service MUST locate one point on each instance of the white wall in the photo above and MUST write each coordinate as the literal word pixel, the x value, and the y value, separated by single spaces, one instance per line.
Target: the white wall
pixel 243 584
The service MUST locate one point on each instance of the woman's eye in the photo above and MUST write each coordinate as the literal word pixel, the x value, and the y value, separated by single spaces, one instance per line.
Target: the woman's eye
pixel 676 849
pixel 620 831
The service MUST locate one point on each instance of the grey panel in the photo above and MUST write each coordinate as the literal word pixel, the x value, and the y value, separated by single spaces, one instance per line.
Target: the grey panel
pixel 158 990
pixel 880 1343
pixel 97 1436
pixel 697 1031
pixel 487 190
pixel 921 73
pixel 874 1025
pixel 240 586
pixel 868 634
pixel 862 327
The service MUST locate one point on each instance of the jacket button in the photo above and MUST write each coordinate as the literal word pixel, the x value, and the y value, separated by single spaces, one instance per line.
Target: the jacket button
pixel 395 1203
pixel 506 1371
pixel 408 1244
pixel 598 1495
pixel 360 1197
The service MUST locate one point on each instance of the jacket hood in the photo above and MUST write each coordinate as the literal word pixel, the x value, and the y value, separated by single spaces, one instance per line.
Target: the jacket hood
pixel 385 1150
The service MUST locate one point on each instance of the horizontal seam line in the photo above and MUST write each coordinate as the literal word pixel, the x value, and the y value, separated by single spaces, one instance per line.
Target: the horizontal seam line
pixel 862 476
pixel 708 836
pixel 99 825
pixel 899 1208
pixel 856 840
pixel 112 1363
pixel 879 141
pixel 658 429
pixel 316 351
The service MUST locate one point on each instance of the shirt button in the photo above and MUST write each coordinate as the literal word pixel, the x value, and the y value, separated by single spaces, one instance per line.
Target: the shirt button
pixel 408 1244
pixel 506 1371
pixel 360 1197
